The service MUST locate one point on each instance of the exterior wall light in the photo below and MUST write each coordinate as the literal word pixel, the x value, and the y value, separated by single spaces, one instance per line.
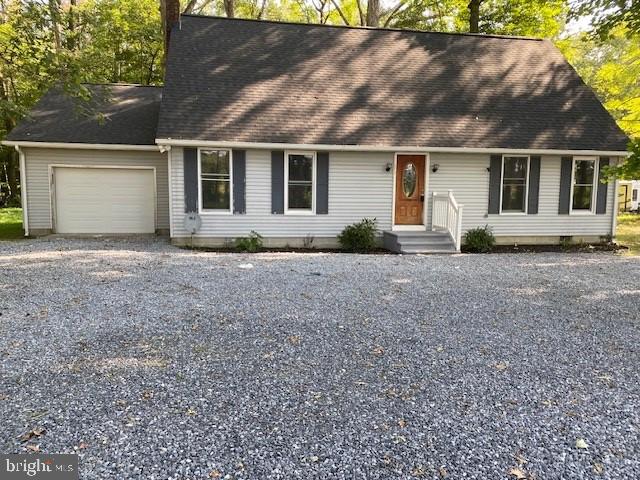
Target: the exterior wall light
pixel 388 167
pixel 435 167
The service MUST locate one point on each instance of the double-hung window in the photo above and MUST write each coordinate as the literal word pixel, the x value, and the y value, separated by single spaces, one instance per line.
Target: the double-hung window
pixel 300 170
pixel 215 180
pixel 515 177
pixel 583 184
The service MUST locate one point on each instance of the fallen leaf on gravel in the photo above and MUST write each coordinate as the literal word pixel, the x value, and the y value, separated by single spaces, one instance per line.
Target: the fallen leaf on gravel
pixel 294 339
pixel 378 351
pixel 82 445
pixel 33 448
pixel 520 460
pixel 215 474
pixel 402 423
pixel 443 472
pixel 191 411
pixel 581 444
pixel 36 432
pixel 147 394
pixel 314 458
pixel 387 460
pixel 518 473
pixel 598 468
pixel 501 366
pixel 439 348
pixel 418 471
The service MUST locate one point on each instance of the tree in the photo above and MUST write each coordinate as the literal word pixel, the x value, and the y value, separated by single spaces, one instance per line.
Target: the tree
pixel 606 15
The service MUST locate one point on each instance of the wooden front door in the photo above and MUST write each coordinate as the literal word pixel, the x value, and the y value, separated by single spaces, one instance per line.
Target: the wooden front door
pixel 409 190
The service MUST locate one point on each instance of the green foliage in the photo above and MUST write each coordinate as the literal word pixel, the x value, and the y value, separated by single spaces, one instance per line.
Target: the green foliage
pixel 359 237
pixel 630 168
pixel 607 15
pixel 11 223
pixel 250 244
pixel 479 240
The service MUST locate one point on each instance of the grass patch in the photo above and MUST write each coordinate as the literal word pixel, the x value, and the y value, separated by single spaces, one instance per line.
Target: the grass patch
pixel 628 232
pixel 11 223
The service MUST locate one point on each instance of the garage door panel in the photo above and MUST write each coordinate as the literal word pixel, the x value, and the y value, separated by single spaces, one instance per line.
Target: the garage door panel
pixel 104 200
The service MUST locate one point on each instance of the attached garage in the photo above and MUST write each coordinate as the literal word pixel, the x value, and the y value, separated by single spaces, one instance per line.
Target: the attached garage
pixel 107 200
pixel 94 174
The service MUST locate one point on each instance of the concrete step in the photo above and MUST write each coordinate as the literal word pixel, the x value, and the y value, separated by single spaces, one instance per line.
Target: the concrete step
pixel 418 242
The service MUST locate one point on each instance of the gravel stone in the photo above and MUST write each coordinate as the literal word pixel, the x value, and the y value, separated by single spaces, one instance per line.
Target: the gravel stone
pixel 153 362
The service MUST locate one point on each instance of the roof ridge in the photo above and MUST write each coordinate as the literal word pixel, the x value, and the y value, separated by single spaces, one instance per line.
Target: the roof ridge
pixel 113 84
pixel 356 27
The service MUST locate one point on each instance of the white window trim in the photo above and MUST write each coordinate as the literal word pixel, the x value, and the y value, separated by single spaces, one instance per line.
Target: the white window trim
pixel 594 189
pixel 526 185
pixel 299 211
pixel 211 211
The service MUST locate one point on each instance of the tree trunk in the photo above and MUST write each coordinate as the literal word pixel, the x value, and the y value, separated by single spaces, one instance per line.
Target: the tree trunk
pixel 373 13
pixel 230 8
pixel 71 25
pixel 474 16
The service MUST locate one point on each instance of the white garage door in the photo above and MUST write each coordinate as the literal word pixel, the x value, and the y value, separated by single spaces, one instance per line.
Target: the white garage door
pixel 104 200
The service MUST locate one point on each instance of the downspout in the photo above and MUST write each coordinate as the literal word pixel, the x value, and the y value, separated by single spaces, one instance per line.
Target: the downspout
pixel 23 190
pixel 167 149
pixel 614 217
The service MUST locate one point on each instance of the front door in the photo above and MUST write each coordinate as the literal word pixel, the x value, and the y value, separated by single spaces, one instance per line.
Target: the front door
pixel 409 190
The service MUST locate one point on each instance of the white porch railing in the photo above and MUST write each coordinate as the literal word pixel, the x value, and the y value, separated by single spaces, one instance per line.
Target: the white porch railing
pixel 447 215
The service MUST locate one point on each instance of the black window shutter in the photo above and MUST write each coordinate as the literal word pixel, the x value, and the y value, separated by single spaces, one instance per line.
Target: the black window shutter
pixel 601 198
pixel 566 164
pixel 495 175
pixel 534 184
pixel 239 181
pixel 277 182
pixel 322 183
pixel 190 159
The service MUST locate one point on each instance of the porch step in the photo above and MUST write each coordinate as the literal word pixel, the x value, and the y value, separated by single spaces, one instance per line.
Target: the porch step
pixel 418 242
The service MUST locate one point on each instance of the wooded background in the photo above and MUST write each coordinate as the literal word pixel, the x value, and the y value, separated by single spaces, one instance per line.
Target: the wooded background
pixel 70 42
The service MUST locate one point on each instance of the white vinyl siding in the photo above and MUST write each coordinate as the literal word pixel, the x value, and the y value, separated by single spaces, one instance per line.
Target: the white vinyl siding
pixel 467 176
pixel 37 161
pixel 359 187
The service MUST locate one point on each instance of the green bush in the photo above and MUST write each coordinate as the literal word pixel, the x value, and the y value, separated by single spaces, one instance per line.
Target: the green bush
pixel 479 240
pixel 250 244
pixel 360 236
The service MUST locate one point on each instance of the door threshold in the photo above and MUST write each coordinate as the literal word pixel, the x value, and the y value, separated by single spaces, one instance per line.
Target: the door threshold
pixel 409 228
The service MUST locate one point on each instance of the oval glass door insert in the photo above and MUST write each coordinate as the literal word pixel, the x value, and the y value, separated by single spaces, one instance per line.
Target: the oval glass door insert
pixel 409 180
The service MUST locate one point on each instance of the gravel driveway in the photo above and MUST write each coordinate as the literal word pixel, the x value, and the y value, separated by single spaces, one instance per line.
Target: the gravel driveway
pixel 153 362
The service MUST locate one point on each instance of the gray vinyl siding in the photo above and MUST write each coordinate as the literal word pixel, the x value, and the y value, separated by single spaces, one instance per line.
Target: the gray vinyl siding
pixel 467 176
pixel 359 187
pixel 37 161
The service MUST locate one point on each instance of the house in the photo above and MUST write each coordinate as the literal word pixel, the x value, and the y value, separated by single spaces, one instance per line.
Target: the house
pixel 628 195
pixel 295 131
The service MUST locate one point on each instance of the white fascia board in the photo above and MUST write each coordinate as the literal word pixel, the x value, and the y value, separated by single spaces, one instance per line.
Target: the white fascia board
pixel 80 146
pixel 381 148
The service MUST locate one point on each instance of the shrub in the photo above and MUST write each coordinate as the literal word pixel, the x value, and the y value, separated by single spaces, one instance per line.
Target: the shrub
pixel 479 240
pixel 360 236
pixel 250 244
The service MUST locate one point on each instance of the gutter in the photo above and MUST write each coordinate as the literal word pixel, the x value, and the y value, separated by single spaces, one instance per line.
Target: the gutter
pixel 80 146
pixel 381 148
pixel 23 190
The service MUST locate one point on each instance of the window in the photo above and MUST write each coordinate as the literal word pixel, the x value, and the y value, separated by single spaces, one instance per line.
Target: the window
pixel 300 178
pixel 634 195
pixel 215 180
pixel 515 173
pixel 583 184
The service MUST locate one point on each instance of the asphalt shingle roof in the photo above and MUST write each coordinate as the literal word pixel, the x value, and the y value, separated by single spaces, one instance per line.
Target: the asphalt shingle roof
pixel 114 114
pixel 258 81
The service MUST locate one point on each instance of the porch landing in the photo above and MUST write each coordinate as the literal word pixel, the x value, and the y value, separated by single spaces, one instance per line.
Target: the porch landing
pixel 418 242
